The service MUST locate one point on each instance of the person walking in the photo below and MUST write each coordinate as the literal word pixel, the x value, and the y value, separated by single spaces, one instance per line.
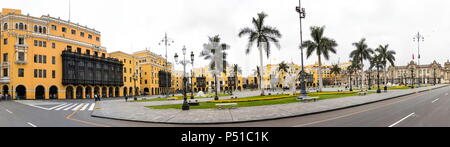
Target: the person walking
pixel 126 98
pixel 95 97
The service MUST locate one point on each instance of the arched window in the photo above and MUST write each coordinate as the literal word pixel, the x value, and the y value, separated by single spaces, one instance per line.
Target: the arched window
pixel 20 26
pixel 17 26
pixel 40 29
pixel 44 30
pixel 35 28
pixel 5 26
pixel 26 28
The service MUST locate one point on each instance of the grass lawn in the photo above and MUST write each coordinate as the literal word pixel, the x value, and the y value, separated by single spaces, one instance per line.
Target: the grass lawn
pixel 207 105
pixel 181 98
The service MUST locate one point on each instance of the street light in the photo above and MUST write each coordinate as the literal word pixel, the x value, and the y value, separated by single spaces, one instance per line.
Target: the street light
pixel 135 78
pixel 192 78
pixel 302 14
pixel 418 38
pixel 184 62
pixel 167 42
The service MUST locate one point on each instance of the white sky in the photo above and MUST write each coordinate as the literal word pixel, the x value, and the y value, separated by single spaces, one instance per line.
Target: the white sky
pixel 133 25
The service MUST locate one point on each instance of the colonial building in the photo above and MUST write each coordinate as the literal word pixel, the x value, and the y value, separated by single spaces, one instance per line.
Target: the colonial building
pixel 423 74
pixel 49 58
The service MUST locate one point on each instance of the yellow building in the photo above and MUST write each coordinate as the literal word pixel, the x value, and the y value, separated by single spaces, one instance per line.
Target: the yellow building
pixel 32 51
pixel 146 66
pixel 204 80
pixel 312 78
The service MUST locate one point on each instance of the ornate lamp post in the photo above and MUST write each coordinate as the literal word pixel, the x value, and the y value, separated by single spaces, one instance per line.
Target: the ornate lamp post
pixel 301 11
pixel 135 78
pixel 419 38
pixel 192 78
pixel 184 62
pixel 167 42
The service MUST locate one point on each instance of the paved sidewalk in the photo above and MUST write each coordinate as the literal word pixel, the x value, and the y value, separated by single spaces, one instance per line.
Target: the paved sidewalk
pixel 137 112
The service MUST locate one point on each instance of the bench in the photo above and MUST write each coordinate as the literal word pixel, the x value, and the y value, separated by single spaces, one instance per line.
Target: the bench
pixel 224 105
pixel 305 99
pixel 196 103
pixel 363 93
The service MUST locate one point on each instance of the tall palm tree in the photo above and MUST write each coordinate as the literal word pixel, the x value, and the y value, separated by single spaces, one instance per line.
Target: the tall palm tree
pixel 236 69
pixel 379 64
pixel 350 70
pixel 283 68
pixel 336 70
pixel 261 34
pixel 211 52
pixel 386 56
pixel 361 53
pixel 322 46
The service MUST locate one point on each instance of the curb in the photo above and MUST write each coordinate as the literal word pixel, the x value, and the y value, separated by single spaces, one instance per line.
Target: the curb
pixel 267 119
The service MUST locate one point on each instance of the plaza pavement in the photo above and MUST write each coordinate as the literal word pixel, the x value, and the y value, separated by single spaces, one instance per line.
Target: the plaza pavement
pixel 136 111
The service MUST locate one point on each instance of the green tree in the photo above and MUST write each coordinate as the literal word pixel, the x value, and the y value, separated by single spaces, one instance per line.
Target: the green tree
pixel 261 34
pixel 322 45
pixel 236 70
pixel 387 56
pixel 336 70
pixel 361 53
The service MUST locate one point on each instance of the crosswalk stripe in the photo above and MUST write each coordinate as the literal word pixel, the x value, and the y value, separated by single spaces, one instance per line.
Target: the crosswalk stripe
pixel 92 107
pixel 57 109
pixel 56 106
pixel 84 107
pixel 77 107
pixel 67 108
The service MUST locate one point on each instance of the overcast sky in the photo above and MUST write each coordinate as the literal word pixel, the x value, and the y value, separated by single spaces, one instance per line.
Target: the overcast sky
pixel 133 25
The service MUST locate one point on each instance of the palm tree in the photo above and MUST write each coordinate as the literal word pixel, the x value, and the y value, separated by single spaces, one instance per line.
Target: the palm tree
pixel 236 69
pixel 322 46
pixel 361 53
pixel 212 52
pixel 386 56
pixel 283 68
pixel 350 70
pixel 378 63
pixel 261 35
pixel 336 70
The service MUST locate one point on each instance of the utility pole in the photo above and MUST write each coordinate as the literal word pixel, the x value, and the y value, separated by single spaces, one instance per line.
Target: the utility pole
pixel 302 14
pixel 167 42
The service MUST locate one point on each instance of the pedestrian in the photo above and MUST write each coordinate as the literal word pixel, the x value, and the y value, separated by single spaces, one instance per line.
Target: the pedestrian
pixel 88 96
pixel 126 98
pixel 95 97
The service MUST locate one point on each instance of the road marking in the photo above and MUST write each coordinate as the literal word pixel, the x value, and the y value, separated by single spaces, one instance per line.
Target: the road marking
pixel 8 111
pixel 92 107
pixel 67 108
pixel 69 117
pixel 343 116
pixel 77 107
pixel 56 106
pixel 435 100
pixel 84 107
pixel 31 124
pixel 401 120
pixel 62 107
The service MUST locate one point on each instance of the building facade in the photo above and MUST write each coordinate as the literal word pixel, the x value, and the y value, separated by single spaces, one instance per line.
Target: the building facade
pixel 433 73
pixel 49 58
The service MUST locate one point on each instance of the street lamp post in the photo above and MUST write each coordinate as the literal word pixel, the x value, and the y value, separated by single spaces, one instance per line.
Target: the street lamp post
pixel 192 78
pixel 418 38
pixel 167 42
pixel 302 14
pixel 135 78
pixel 184 62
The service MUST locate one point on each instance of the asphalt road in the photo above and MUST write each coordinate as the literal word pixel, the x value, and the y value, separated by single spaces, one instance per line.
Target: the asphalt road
pixel 427 109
